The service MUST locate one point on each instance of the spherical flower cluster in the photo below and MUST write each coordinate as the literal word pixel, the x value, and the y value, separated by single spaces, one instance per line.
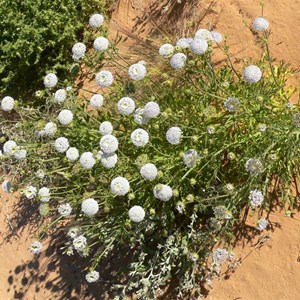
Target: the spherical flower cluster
pixel 162 192
pixel 92 276
pixel 109 143
pixel 40 174
pixel 104 79
pixel 74 232
pixel 20 153
pixel 7 103
pixel 151 110
pixel 126 106
pixel 9 147
pixel 149 171
pixel 50 80
pixel 72 154
pixel 178 61
pixel 262 127
pixel 136 214
pixel 64 209
pixel 220 255
pixel 203 34
pixel 254 166
pixel 221 212
pixel 89 207
pixel 78 50
pixel 232 104
pixel 137 71
pixel 87 160
pixel 166 50
pixel 119 186
pixel 101 44
pixel 60 95
pixel 61 144
pixel 256 198
pixel 36 247
pixel 109 161
pixel 199 46
pixel 216 37
pixel 50 129
pixel 262 224
pixel 96 20
pixel 96 101
pixel 105 128
pixel 190 158
pixel 139 137
pixel 260 24
pixel 65 117
pixel 30 192
pixel 252 74
pixel 140 118
pixel 79 243
pixel 174 135
pixel 183 43
pixel 44 194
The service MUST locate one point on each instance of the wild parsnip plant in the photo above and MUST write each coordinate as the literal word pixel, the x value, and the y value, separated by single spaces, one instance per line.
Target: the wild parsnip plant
pixel 162 159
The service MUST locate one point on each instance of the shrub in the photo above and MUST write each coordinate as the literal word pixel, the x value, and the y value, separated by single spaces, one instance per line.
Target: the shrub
pixel 36 37
pixel 163 162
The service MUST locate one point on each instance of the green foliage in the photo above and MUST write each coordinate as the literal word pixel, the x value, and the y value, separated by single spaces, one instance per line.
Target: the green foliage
pixel 36 37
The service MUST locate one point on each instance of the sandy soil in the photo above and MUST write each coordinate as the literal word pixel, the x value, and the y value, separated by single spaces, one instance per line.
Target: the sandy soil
pixel 269 272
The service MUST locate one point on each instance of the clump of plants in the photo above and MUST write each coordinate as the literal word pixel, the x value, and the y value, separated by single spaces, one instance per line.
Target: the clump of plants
pixel 163 158
pixel 37 36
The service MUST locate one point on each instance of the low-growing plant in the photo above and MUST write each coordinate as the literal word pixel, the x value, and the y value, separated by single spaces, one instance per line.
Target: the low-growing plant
pixel 164 159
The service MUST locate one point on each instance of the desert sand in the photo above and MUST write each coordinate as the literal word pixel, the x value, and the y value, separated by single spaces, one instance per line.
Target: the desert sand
pixel 271 271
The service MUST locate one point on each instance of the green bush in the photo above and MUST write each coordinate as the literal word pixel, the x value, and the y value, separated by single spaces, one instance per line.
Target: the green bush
pixel 237 144
pixel 36 37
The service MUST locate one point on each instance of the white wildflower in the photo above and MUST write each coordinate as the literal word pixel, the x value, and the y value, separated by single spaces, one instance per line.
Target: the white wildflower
pixel 78 50
pixel 104 79
pixel 30 192
pixel 174 135
pixel 50 80
pixel 252 74
pixel 79 243
pixel 139 117
pixel 109 161
pixel 119 186
pixel 7 103
pixel 109 143
pixel 74 232
pixel 36 247
pixel 61 144
pixel 190 158
pixel 44 194
pixel 64 209
pixel 137 71
pixel 203 34
pixel 96 20
pixel 89 207
pixel 260 24
pixel 149 171
pixel 87 160
pixel 178 61
pixel 136 214
pixel 101 44
pixel 199 46
pixel 256 198
pixel 126 106
pixel 105 128
pixel 166 50
pixel 262 224
pixel 72 154
pixel 151 110
pixel 163 192
pixel 9 147
pixel 50 129
pixel 220 255
pixel 254 166
pixel 232 104
pixel 40 174
pixel 65 117
pixel 216 37
pixel 20 153
pixel 92 276
pixel 139 137
pixel 183 43
pixel 96 101
pixel 60 95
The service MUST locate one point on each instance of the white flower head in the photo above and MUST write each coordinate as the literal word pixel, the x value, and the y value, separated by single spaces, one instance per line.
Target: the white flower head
pixel 136 214
pixel 149 171
pixel 96 20
pixel 64 209
pixel 262 224
pixel 90 207
pixel 109 143
pixel 87 160
pixel 30 192
pixel 199 46
pixel 96 101
pixel 220 255
pixel 61 144
pixel 74 232
pixel 72 154
pixel 92 276
pixel 139 137
pixel 162 192
pixel 106 128
pixel 203 34
pixel 252 74
pixel 137 71
pixel 139 117
pixel 126 106
pixel 174 135
pixel 260 24
pixel 78 50
pixel 101 44
pixel 232 104
pixel 50 129
pixel 254 166
pixel 7 103
pixel 50 80
pixel 166 50
pixel 20 153
pixel 178 60
pixel 9 147
pixel 109 161
pixel 119 186
pixel 44 194
pixel 104 79
pixel 151 110
pixel 65 117
pixel 40 174
pixel 256 198
pixel 36 247
pixel 183 43
pixel 79 243
pixel 216 37
pixel 190 158
pixel 60 95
